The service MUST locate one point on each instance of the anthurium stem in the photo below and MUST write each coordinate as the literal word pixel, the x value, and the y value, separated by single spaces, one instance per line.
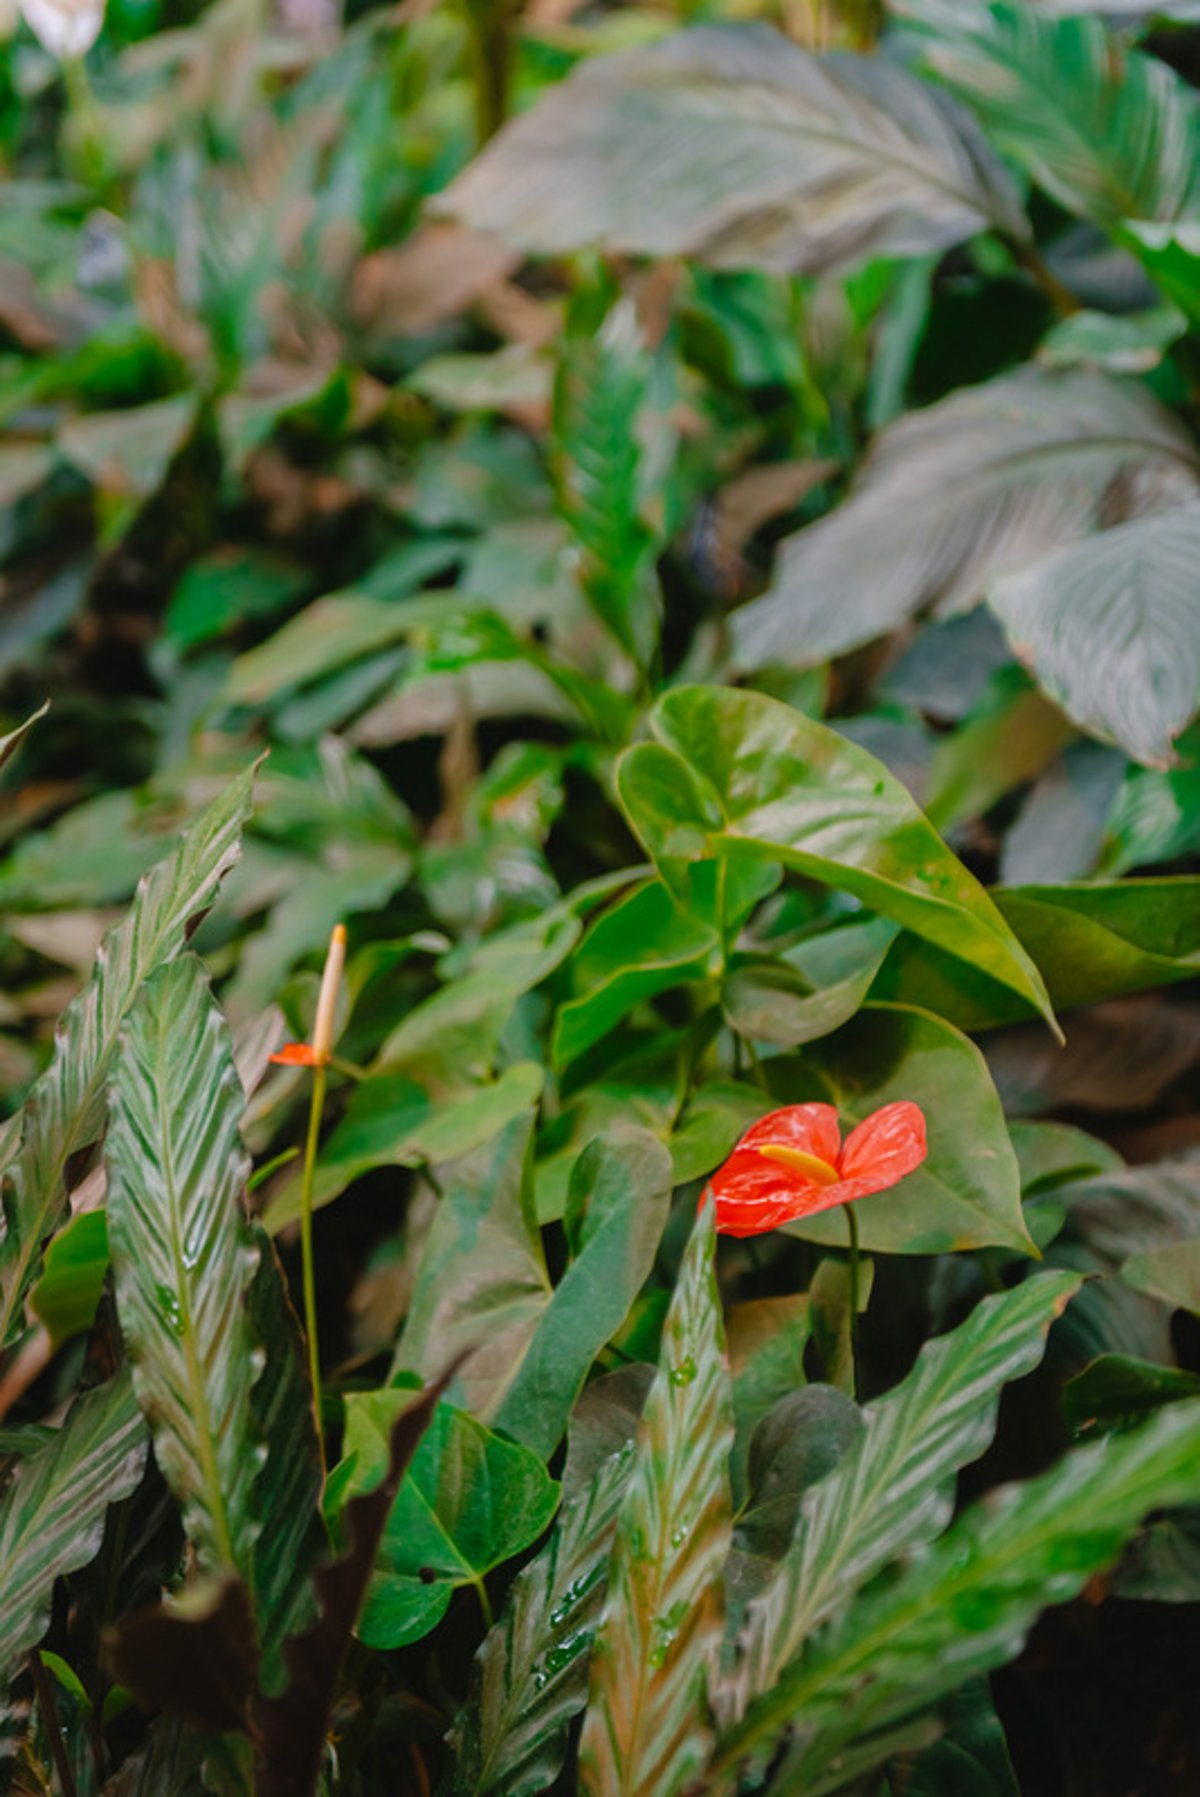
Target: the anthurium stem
pixel 316 1107
pixel 852 1226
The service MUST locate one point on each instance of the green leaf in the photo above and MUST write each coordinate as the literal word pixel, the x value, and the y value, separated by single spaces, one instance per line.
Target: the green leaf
pixel 530 1676
pixel 1094 939
pixel 809 991
pixel 1156 816
pixel 1111 628
pixel 894 1490
pixel 65 1297
pixel 738 773
pixel 967 1604
pixel 482 1287
pixel 1108 132
pixel 603 384
pixel 65 1112
pixel 1007 739
pixel 967 1194
pixel 767 1339
pixel 645 1731
pixel 643 946
pixel 127 453
pixel 617 1205
pixel 182 1256
pixel 971 1758
pixel 219 591
pixel 733 146
pixel 469 1500
pixel 53 1508
pixel 1118 1392
pixel 1170 1272
pixel 989 479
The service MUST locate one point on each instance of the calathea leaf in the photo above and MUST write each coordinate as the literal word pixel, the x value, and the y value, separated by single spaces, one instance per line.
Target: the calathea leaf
pixel 530 1676
pixel 985 481
pixel 894 1488
pixel 645 1730
pixel 65 1112
pixel 183 1259
pixel 735 147
pixel 1111 628
pixel 53 1508
pixel 1109 132
pixel 737 774
pixel 966 1605
pixel 11 742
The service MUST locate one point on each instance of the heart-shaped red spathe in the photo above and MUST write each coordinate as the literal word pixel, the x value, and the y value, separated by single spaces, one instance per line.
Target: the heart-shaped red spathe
pixel 755 1191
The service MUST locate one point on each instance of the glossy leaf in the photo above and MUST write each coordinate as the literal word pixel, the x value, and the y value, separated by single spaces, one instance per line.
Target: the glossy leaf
pixel 967 1192
pixel 182 1257
pixel 65 1297
pixel 737 773
pixel 645 1731
pixel 967 1604
pixel 985 481
pixel 65 1112
pixel 895 1488
pixel 642 946
pixel 817 162
pixel 1111 628
pixel 53 1508
pixel 530 1675
pixel 469 1500
pixel 1094 940
pixel 807 992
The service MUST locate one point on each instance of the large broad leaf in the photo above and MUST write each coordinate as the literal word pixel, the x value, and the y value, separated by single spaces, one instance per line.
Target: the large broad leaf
pixel 483 1288
pixel 734 146
pixel 968 1603
pixel 65 1112
pixel 617 1204
pixel 530 1676
pixel 470 1500
pixel 643 946
pixel 183 1259
pixel 982 482
pixel 1095 940
pixel 645 1733
pixel 1109 132
pixel 895 1488
pixel 53 1508
pixel 967 1192
pixel 736 773
pixel 1111 628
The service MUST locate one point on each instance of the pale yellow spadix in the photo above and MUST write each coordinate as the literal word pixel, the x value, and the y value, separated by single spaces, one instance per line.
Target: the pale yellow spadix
pixel 796 1161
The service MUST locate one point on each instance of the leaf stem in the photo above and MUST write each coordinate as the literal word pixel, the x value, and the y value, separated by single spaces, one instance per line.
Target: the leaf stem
pixel 316 1108
pixel 485 1602
pixel 852 1226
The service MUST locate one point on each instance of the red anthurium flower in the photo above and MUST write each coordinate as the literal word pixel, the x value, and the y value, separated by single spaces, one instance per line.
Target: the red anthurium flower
pixel 297 1054
pixel 793 1163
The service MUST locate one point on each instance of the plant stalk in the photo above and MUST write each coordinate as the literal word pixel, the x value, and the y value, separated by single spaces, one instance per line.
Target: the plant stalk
pixel 852 1226
pixel 316 1107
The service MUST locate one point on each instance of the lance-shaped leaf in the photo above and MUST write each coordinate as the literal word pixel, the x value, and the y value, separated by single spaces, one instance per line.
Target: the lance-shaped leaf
pixel 737 773
pixel 1109 132
pixel 645 1733
pixel 895 1487
pixel 734 146
pixel 983 482
pixel 182 1256
pixel 530 1677
pixel 65 1112
pixel 53 1508
pixel 966 1605
pixel 1111 628
pixel 291 1537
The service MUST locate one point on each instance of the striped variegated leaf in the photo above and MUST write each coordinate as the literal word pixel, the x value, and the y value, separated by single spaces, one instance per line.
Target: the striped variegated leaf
pixel 646 1732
